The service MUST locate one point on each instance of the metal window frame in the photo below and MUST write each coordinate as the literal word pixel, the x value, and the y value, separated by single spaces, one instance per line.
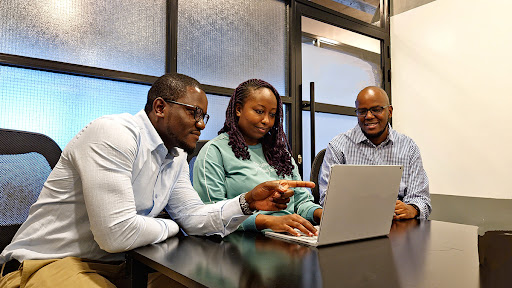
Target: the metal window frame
pixel 293 99
pixel 299 8
pixel 171 55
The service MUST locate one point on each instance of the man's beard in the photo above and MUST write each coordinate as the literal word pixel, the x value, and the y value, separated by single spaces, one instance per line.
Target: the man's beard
pixel 180 143
pixel 378 134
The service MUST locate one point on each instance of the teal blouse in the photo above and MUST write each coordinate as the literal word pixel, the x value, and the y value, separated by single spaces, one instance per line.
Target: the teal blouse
pixel 218 175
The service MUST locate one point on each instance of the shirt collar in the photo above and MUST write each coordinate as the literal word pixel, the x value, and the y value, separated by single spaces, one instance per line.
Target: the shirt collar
pixel 155 142
pixel 358 136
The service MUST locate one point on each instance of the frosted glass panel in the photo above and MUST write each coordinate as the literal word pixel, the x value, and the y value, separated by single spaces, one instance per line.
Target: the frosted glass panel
pixel 365 10
pixel 60 105
pixel 217 110
pixel 326 127
pixel 226 42
pixel 338 76
pixel 126 35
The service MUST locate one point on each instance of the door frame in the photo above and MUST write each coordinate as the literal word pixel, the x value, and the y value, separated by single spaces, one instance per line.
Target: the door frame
pixel 299 8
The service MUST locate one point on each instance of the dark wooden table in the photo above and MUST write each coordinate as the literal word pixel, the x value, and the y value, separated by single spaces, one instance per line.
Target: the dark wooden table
pixel 415 254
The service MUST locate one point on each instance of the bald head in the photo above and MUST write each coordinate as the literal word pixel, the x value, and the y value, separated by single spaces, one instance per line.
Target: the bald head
pixel 373 93
pixel 374 113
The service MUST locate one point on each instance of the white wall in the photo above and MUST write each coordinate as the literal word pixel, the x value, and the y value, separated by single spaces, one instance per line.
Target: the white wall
pixel 451 69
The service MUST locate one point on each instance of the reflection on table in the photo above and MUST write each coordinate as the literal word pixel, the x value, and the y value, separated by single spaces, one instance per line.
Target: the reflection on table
pixel 416 254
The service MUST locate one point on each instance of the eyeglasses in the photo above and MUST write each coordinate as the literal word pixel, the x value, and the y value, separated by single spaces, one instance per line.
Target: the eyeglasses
pixel 377 110
pixel 198 112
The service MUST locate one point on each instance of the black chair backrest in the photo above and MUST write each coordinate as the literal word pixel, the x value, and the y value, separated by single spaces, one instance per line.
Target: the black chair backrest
pixel 191 158
pixel 199 145
pixel 19 142
pixel 23 176
pixel 315 170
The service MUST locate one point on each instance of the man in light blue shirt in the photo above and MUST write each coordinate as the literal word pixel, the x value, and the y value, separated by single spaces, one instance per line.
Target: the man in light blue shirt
pixel 374 142
pixel 112 179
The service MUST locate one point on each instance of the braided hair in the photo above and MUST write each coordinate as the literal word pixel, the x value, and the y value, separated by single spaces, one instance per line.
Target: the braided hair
pixel 275 146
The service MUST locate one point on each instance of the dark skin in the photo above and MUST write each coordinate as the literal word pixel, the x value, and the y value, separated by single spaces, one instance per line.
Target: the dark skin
pixel 255 118
pixel 375 128
pixel 177 127
pixel 175 123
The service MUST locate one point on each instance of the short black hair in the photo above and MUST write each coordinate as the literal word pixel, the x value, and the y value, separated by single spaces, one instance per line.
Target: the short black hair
pixel 171 86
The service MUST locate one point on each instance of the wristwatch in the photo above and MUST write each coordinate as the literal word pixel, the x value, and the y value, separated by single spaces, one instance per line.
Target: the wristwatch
pixel 244 205
pixel 417 210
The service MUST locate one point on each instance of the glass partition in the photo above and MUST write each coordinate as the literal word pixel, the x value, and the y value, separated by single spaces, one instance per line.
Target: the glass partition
pixel 226 44
pixel 327 126
pixel 340 62
pixel 367 11
pixel 60 105
pixel 126 35
pixel 217 110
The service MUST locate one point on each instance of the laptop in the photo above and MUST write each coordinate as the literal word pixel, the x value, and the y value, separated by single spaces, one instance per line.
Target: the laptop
pixel 359 204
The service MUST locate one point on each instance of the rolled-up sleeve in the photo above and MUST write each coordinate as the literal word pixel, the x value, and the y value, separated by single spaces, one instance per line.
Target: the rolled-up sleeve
pixel 418 187
pixel 197 218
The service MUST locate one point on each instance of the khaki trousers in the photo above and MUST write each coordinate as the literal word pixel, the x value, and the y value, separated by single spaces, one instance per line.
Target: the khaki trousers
pixel 68 272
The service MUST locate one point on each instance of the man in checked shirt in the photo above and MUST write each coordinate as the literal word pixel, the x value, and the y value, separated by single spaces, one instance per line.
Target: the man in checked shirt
pixel 374 142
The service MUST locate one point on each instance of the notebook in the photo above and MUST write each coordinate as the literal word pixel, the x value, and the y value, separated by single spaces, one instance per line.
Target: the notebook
pixel 359 204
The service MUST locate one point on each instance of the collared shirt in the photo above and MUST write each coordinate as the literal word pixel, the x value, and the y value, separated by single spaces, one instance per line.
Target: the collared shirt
pixel 101 198
pixel 353 147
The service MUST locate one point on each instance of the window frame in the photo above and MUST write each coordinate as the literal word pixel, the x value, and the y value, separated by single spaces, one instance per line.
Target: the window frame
pixel 293 98
pixel 317 12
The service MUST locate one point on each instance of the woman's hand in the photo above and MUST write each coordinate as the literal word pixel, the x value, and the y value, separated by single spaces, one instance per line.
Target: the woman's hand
pixel 286 223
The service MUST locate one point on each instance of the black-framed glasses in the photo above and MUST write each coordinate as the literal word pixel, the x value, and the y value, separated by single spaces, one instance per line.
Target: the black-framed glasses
pixel 198 112
pixel 377 110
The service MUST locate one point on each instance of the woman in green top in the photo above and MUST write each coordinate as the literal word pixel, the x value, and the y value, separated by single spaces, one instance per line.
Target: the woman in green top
pixel 252 148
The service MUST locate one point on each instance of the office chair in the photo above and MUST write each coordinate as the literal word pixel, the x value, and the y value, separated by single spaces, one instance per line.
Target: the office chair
pixel 192 157
pixel 315 170
pixel 26 160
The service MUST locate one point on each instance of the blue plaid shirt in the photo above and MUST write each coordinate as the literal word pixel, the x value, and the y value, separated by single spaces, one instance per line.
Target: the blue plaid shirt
pixel 352 147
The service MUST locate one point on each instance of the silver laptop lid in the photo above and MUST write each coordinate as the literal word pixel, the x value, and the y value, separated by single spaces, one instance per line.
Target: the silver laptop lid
pixel 359 202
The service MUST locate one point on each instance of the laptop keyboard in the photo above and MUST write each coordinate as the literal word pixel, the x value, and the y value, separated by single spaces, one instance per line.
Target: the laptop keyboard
pixel 311 239
pixel 304 239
